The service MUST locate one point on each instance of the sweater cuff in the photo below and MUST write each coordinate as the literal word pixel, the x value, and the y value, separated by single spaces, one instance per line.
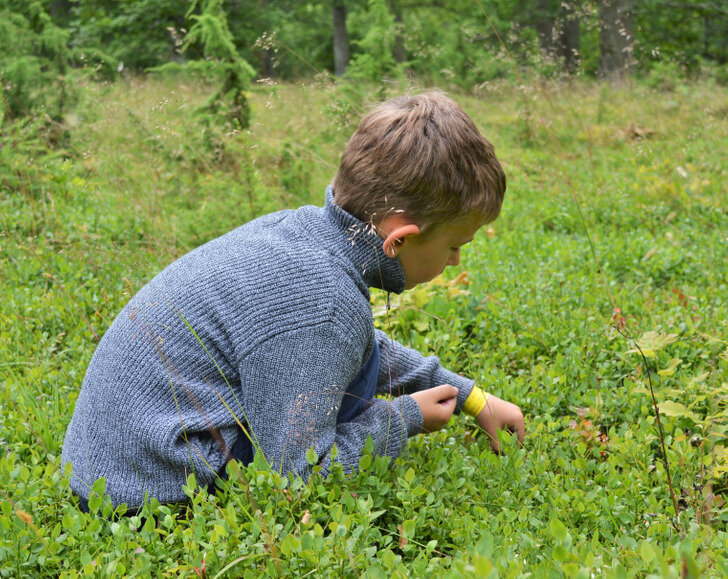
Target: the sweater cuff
pixel 411 415
pixel 464 386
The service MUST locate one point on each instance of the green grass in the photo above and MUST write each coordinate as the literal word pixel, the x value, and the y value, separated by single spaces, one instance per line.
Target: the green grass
pixel 143 180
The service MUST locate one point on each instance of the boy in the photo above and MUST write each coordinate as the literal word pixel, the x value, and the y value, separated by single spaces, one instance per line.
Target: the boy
pixel 263 338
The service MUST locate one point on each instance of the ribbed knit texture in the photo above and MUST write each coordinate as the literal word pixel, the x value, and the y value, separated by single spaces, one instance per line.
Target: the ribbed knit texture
pixel 266 325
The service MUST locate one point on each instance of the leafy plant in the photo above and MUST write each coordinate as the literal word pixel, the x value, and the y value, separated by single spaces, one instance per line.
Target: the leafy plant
pixel 530 322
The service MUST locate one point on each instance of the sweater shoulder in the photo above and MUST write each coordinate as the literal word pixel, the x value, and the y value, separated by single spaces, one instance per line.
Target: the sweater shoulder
pixel 278 273
pixel 319 295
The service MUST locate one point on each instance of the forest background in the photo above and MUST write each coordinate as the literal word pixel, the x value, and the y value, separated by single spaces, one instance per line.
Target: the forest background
pixel 461 43
pixel 134 131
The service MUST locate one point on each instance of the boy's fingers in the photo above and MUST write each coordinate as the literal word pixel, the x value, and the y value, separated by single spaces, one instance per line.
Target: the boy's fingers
pixel 448 405
pixel 521 429
pixel 445 392
pixel 517 425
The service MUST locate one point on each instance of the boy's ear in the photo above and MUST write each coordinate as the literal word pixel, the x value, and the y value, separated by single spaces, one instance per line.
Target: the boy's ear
pixel 396 229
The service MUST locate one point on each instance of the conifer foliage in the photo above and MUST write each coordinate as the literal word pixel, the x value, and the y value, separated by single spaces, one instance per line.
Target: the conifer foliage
pixel 34 62
pixel 375 59
pixel 210 31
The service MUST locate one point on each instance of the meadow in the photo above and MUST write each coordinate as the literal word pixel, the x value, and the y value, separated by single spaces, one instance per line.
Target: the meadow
pixel 603 281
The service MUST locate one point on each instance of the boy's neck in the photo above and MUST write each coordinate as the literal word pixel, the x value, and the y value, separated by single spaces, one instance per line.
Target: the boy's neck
pixel 364 249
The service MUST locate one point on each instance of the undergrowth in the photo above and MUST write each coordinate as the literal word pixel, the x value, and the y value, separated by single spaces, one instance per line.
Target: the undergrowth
pixel 140 182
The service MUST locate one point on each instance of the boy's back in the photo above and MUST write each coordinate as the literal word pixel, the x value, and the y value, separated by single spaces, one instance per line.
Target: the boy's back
pixel 274 318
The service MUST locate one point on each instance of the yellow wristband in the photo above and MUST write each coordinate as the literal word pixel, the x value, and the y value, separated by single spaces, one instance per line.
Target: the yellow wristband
pixel 475 402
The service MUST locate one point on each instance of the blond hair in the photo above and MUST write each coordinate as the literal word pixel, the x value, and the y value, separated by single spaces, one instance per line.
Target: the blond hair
pixel 422 156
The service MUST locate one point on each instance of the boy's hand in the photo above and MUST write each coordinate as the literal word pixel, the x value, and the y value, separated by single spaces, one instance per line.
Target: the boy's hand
pixel 437 405
pixel 498 414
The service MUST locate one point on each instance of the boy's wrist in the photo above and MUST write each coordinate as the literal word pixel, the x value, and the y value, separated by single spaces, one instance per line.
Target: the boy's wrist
pixel 475 402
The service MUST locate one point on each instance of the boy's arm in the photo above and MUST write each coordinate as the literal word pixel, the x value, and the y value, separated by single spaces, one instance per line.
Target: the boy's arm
pixel 292 388
pixel 403 370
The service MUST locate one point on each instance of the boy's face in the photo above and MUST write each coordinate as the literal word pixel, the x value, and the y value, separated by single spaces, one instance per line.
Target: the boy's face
pixel 425 258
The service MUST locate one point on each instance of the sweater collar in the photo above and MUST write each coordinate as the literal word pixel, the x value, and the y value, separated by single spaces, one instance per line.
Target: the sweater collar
pixel 364 249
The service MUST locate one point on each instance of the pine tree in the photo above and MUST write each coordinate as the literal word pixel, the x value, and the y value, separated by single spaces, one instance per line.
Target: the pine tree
pixel 34 62
pixel 375 59
pixel 211 31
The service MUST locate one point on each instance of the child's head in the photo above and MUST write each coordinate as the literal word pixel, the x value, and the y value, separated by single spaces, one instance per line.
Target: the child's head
pixel 421 157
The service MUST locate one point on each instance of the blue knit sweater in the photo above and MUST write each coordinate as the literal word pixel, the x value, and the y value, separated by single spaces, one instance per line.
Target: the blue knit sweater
pixel 265 326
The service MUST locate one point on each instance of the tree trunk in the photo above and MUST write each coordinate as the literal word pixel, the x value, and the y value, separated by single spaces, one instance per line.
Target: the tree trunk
pixel 715 37
pixel 341 38
pixel 615 43
pixel 267 63
pixel 60 11
pixel 545 26
pixel 398 51
pixel 570 39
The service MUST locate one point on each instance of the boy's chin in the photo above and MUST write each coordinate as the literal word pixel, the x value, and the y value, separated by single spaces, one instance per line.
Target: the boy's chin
pixel 409 286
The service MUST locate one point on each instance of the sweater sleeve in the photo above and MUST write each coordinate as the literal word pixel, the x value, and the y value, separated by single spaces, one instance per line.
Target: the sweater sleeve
pixel 403 370
pixel 292 388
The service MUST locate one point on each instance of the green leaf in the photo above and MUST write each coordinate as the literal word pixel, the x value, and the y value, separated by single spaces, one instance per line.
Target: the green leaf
pixel 311 456
pixel 670 408
pixel 646 352
pixel 670 370
pixel 375 514
pixel 699 378
pixel 94 503
pixel 560 554
pixel 558 529
pixel 652 342
pixel 68 522
pixel 409 476
pixel 647 552
pixel 389 559
pixel 485 545
pixel 259 461
pixel 421 325
pixel 365 462
pixel 192 481
pixel 483 566
pixel 291 544
pixel 99 487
